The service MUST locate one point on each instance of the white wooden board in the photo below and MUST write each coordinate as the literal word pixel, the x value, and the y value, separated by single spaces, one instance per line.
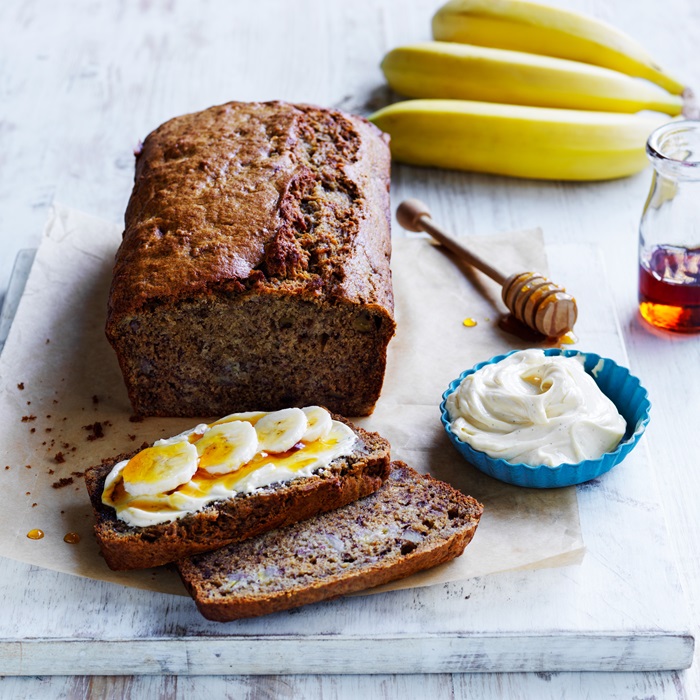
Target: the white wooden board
pixel 621 610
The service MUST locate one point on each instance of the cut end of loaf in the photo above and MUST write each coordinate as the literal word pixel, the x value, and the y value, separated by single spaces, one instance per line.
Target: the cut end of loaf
pixel 220 355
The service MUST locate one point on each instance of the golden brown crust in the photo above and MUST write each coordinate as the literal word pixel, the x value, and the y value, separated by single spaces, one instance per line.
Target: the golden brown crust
pixel 257 195
pixel 223 522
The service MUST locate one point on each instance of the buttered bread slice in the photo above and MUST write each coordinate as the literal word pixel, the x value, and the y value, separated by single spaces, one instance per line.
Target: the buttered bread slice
pixel 413 522
pixel 229 480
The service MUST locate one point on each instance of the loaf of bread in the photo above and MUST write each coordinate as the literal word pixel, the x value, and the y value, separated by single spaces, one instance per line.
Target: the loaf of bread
pixel 244 515
pixel 254 268
pixel 413 522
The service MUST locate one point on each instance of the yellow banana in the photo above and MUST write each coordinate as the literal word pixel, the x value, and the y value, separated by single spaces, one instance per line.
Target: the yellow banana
pixel 531 142
pixel 521 25
pixel 441 69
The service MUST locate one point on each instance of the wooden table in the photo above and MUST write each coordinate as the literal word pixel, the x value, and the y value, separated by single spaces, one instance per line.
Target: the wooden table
pixel 80 83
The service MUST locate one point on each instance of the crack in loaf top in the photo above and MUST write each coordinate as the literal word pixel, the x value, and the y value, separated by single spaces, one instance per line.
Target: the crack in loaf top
pixel 268 196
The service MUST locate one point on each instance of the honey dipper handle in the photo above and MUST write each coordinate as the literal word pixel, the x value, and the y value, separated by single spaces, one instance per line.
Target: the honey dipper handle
pixel 413 215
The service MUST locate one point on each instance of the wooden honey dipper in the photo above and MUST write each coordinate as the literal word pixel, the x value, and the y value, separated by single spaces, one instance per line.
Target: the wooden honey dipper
pixel 531 298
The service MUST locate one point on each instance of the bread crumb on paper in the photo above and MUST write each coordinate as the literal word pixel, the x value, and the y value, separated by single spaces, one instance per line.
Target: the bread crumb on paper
pixel 66 481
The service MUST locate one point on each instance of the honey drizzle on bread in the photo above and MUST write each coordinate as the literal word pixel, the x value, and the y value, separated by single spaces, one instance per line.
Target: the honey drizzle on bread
pixel 345 480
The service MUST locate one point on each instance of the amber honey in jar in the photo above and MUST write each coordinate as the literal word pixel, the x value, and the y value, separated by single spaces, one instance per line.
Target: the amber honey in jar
pixel 669 232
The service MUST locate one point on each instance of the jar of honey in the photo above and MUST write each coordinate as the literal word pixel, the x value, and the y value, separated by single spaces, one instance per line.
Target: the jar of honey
pixel 669 232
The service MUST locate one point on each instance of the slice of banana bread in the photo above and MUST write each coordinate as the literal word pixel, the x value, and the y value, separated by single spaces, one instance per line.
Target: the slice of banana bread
pixel 254 269
pixel 413 522
pixel 247 514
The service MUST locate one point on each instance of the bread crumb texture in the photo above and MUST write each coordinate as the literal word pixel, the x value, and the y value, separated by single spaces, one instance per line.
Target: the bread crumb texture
pixel 411 523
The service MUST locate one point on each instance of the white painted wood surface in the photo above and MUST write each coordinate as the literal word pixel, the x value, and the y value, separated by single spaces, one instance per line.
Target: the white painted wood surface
pixel 81 82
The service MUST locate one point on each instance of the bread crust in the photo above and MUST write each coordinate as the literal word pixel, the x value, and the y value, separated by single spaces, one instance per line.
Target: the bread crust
pixel 227 608
pixel 246 515
pixel 215 204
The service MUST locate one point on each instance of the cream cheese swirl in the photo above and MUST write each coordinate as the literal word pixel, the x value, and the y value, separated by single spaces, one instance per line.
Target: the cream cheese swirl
pixel 535 409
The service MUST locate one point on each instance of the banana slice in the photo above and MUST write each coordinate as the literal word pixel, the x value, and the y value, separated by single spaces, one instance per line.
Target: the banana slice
pixel 320 423
pixel 227 447
pixel 194 432
pixel 251 417
pixel 160 469
pixel 281 430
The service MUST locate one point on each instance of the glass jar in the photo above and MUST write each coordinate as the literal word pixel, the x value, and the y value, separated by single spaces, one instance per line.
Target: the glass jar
pixel 669 232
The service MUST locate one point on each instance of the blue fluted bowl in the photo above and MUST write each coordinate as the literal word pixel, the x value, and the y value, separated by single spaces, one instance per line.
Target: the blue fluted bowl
pixel 616 382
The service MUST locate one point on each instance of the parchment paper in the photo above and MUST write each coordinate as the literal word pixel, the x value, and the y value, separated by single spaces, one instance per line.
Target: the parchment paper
pixel 63 406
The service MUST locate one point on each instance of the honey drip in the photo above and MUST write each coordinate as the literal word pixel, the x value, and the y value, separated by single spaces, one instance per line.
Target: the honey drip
pixel 35 534
pixel 509 324
pixel 72 538
pixel 469 322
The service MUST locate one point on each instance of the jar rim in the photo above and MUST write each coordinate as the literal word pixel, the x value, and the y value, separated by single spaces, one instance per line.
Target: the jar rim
pixel 655 143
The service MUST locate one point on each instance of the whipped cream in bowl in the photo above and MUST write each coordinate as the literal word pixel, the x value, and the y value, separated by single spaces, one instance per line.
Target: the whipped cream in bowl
pixel 545 418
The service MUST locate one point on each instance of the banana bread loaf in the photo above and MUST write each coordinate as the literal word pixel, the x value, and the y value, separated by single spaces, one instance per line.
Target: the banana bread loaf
pixel 413 522
pixel 254 267
pixel 264 505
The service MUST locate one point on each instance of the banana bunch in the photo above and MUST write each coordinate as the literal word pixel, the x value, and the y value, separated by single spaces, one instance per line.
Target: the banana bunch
pixel 518 88
pixel 521 25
